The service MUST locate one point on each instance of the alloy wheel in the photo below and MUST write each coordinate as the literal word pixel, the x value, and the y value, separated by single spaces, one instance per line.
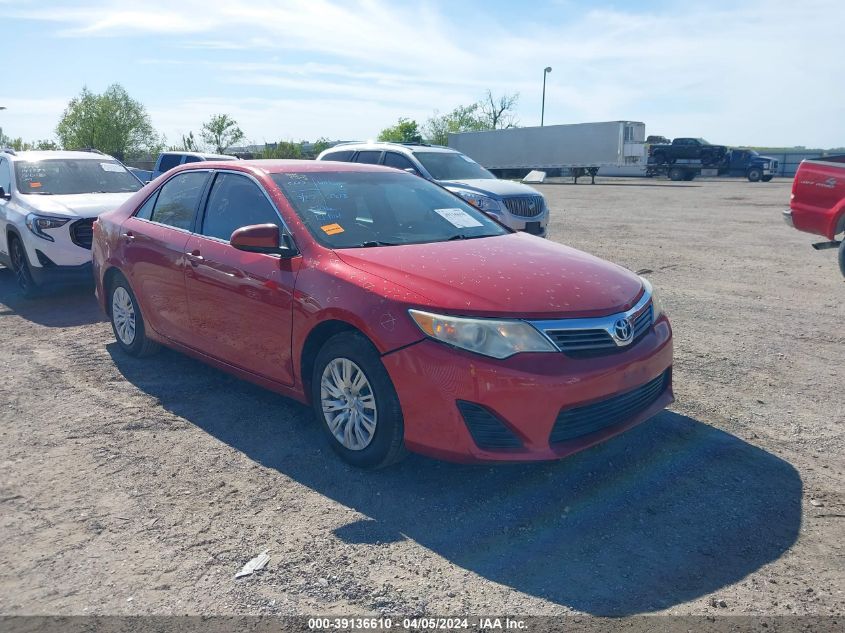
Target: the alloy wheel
pixel 348 403
pixel 19 265
pixel 123 315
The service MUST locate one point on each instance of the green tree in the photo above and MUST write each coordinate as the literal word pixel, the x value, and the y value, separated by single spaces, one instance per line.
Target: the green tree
pixel 282 149
pixel 112 122
pixel 221 132
pixel 461 119
pixel 320 145
pixel 405 131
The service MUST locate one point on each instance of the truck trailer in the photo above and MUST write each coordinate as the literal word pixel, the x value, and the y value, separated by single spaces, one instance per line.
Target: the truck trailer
pixel 576 150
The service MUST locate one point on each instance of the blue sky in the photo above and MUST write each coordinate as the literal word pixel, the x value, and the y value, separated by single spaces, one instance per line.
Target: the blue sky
pixel 752 72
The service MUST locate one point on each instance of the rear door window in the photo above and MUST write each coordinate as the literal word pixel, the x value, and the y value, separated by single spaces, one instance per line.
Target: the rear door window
pixel 178 199
pixel 368 158
pixel 236 201
pixel 345 156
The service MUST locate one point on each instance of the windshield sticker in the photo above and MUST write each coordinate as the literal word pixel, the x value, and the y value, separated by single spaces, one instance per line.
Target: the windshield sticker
pixel 111 167
pixel 332 229
pixel 34 185
pixel 458 218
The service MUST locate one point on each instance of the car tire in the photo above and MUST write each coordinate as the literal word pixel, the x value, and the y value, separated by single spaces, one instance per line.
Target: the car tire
pixel 842 256
pixel 20 266
pixel 127 321
pixel 676 174
pixel 356 404
pixel 767 178
pixel 754 174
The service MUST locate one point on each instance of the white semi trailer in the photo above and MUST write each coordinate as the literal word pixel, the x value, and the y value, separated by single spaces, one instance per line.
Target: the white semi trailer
pixel 579 149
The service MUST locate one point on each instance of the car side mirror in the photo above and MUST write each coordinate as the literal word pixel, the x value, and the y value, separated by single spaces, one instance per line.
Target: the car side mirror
pixel 4 194
pixel 263 238
pixel 412 171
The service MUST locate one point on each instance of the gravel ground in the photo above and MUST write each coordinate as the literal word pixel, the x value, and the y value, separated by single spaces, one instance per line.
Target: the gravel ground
pixel 142 486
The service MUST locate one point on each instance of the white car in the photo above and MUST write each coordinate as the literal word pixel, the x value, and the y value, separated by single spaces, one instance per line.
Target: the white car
pixel 48 203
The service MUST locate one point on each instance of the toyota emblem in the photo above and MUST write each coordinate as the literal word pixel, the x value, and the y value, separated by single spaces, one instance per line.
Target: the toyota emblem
pixel 623 330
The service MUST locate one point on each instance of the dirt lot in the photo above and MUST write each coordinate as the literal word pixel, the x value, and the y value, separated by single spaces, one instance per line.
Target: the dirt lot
pixel 141 486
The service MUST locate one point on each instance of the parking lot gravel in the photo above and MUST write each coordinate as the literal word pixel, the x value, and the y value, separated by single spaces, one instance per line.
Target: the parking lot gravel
pixel 143 486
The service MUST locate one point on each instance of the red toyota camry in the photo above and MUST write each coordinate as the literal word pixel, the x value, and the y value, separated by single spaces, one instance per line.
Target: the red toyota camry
pixel 406 317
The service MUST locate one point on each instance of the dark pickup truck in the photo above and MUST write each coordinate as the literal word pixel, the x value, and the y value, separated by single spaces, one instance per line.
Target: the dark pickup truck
pixel 688 149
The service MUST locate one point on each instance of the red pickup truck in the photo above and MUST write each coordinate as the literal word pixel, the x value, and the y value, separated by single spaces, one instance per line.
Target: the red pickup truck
pixel 817 204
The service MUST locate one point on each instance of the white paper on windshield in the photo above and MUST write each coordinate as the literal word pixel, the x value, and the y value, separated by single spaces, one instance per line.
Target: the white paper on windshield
pixel 111 167
pixel 458 218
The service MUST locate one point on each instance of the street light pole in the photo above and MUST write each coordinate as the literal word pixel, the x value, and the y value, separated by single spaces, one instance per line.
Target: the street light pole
pixel 546 71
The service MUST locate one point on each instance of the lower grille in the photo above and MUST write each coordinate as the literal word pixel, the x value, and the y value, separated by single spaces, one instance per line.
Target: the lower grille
pixel 82 232
pixel 486 429
pixel 525 206
pixel 579 421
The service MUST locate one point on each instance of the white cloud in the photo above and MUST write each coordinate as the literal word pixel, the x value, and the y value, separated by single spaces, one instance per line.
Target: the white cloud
pixel 755 72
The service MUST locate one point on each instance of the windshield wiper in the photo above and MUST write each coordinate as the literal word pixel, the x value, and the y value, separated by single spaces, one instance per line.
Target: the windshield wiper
pixel 371 243
pixel 37 193
pixel 461 236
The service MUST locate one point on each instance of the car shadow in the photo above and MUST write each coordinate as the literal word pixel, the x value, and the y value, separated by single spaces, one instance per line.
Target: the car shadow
pixel 668 512
pixel 68 306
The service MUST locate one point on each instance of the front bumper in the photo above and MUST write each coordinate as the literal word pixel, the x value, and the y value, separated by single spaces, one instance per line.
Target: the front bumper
pixel 526 392
pixel 48 273
pixel 787 217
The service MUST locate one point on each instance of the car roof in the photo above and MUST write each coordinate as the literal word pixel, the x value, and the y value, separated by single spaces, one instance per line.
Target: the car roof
pixel 406 147
pixel 202 155
pixel 281 166
pixel 33 155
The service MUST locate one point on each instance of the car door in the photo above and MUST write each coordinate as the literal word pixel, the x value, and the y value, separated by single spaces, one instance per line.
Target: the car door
pixel 153 243
pixel 241 304
pixel 6 184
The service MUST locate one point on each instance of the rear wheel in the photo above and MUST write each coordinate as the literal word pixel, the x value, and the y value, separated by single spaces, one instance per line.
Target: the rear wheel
pixel 676 174
pixel 20 266
pixel 127 322
pixel 754 174
pixel 356 403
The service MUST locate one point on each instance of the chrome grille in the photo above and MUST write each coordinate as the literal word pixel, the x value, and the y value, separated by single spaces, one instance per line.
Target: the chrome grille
pixel 525 206
pixel 593 337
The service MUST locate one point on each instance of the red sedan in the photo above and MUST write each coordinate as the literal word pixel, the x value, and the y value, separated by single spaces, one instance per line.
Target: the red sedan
pixel 406 317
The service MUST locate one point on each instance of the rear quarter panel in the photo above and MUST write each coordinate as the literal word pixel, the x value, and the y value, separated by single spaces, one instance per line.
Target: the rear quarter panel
pixel 818 198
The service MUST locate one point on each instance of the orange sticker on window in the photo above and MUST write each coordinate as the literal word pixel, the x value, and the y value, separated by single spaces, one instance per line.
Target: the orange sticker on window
pixel 34 185
pixel 332 229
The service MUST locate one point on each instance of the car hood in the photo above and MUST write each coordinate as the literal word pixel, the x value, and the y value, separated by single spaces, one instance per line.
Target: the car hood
pixel 83 205
pixel 513 275
pixel 492 185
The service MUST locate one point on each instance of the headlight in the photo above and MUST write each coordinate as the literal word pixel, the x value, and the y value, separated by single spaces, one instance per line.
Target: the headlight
pixel 490 337
pixel 657 304
pixel 479 201
pixel 39 223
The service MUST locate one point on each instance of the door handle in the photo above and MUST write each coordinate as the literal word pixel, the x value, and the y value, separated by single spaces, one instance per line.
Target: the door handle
pixel 128 236
pixel 194 257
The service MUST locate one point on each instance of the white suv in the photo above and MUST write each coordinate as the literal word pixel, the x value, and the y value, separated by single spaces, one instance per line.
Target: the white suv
pixel 513 204
pixel 48 203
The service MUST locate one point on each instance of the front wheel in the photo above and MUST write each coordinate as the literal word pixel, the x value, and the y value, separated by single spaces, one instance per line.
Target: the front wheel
pixel 127 322
pixel 356 403
pixel 754 174
pixel 20 266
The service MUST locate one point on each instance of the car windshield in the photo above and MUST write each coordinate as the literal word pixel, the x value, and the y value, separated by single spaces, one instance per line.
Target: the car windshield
pixel 363 209
pixel 73 176
pixel 452 166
